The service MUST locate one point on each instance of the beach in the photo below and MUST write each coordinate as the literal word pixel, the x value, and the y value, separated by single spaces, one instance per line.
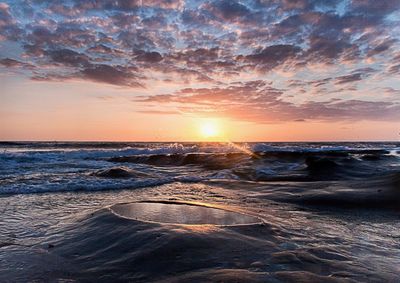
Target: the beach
pixel 315 212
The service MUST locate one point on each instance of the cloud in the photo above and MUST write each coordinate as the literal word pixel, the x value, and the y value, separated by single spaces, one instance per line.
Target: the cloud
pixel 11 63
pixel 68 57
pixel 127 5
pixel 381 47
pixel 105 50
pixel 9 29
pixel 327 50
pixel 265 104
pixel 149 57
pixel 295 4
pixel 348 78
pixel 374 8
pixel 356 75
pixel 114 75
pixel 229 10
pixel 313 51
pixel 271 56
pixel 158 112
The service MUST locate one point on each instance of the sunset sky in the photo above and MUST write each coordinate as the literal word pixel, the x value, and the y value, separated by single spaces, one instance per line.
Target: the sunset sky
pixel 174 70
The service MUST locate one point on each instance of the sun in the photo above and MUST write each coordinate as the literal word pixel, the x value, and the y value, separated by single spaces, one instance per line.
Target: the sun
pixel 209 129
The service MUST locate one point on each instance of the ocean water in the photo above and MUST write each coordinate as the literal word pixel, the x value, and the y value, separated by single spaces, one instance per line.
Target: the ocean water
pixel 330 212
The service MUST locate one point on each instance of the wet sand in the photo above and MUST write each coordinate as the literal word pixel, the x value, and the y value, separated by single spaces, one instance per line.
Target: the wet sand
pixel 77 237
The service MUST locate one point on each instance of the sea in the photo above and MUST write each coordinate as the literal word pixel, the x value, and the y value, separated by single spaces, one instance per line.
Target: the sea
pixel 330 212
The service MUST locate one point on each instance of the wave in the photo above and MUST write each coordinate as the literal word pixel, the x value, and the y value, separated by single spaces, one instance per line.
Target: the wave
pixel 28 152
pixel 66 183
pixel 208 161
pixel 121 172
pixel 39 172
pixel 276 166
pixel 204 146
pixel 78 185
pixel 40 168
pixel 325 147
pixel 53 154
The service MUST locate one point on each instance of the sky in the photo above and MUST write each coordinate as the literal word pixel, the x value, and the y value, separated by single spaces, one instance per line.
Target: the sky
pixel 163 70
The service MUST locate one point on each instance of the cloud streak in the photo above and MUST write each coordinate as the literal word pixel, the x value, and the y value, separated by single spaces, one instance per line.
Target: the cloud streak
pixel 266 104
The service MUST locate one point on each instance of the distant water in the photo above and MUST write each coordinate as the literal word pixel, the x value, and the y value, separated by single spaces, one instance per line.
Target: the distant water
pixel 330 212
pixel 70 166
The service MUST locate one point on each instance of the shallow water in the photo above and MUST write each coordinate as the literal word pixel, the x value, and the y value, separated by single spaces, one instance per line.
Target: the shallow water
pixel 181 213
pixel 330 213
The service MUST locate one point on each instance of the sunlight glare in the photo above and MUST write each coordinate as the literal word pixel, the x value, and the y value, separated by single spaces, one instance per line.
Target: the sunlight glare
pixel 209 129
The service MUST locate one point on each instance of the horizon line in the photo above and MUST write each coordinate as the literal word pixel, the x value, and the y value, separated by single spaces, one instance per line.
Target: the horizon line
pixel 193 141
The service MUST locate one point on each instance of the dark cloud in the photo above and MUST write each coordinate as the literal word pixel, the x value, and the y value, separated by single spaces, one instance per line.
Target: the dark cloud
pixel 271 56
pixel 394 69
pixel 322 82
pixel 357 75
pixel 381 47
pixel 105 50
pixel 68 57
pixel 155 21
pixel 11 63
pixel 349 78
pixel 114 75
pixel 198 64
pixel 196 55
pixel 149 57
pixel 227 9
pixel 328 50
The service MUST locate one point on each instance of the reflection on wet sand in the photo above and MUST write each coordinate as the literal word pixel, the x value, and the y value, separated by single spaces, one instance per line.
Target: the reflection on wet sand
pixel 182 213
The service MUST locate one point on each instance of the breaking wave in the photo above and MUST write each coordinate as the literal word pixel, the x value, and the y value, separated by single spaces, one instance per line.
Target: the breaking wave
pixel 47 167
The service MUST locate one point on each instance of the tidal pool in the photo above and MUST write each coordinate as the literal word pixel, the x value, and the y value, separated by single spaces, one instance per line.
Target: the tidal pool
pixel 182 213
